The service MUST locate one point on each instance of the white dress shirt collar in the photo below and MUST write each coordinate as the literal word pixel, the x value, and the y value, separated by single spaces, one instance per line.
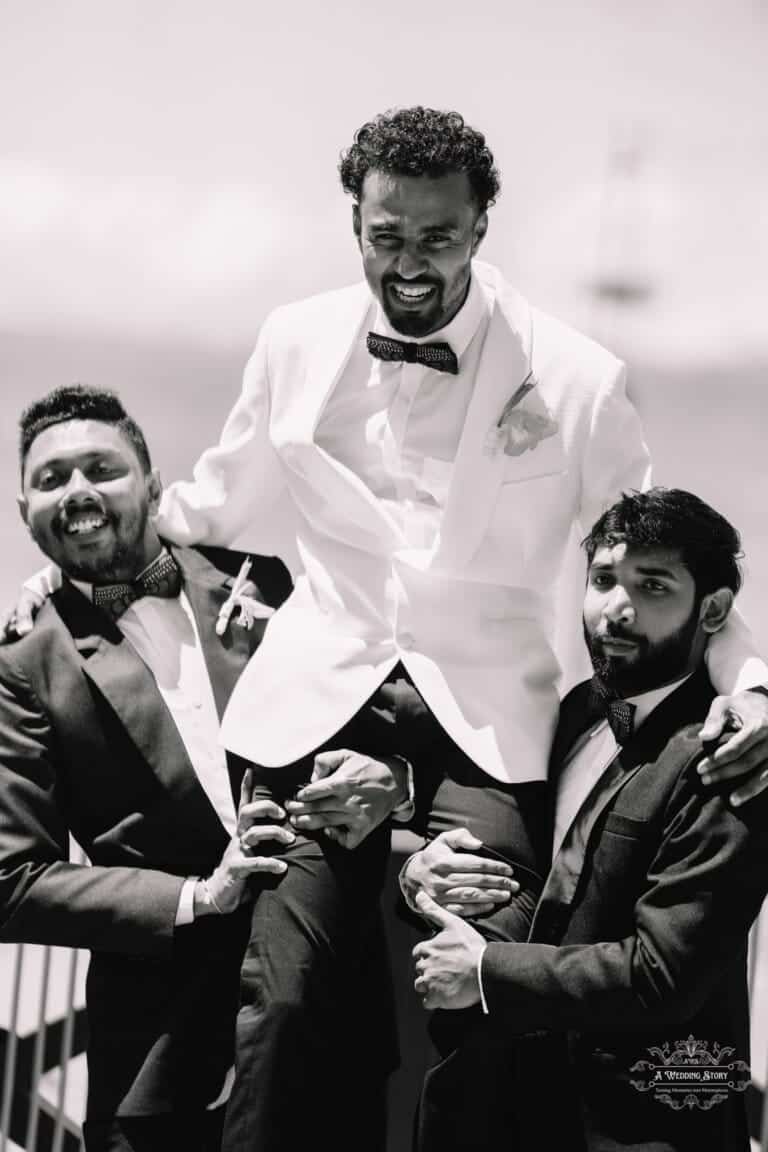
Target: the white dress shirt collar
pixel 458 332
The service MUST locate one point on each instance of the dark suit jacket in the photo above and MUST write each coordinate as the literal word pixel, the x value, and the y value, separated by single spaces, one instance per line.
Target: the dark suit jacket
pixel 88 747
pixel 639 939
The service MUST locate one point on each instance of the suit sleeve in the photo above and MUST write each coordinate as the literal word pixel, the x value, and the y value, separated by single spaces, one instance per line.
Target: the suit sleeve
pixel 733 661
pixel 703 890
pixel 237 496
pixel 45 899
pixel 616 458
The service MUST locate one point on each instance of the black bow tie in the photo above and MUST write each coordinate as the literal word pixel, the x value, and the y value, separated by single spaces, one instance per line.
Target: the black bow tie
pixel 620 714
pixel 160 578
pixel 439 356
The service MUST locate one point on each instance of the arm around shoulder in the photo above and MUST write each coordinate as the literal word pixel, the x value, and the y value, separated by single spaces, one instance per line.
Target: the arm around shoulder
pixel 237 485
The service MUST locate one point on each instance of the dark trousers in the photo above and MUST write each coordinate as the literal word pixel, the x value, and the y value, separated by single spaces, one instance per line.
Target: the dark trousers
pixel 194 1130
pixel 315 1031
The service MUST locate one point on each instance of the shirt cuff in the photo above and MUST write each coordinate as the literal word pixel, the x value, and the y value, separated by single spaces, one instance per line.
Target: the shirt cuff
pixel 483 1001
pixel 406 808
pixel 44 582
pixel 408 890
pixel 185 912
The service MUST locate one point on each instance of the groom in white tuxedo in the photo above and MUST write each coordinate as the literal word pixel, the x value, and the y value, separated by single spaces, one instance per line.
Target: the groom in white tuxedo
pixel 424 442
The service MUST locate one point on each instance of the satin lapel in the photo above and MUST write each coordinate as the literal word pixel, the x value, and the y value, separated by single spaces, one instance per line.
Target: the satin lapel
pixel 687 704
pixel 122 678
pixel 225 656
pixel 345 498
pixel 477 473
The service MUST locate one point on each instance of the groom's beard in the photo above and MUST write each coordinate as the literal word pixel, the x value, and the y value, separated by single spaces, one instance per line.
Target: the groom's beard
pixel 650 665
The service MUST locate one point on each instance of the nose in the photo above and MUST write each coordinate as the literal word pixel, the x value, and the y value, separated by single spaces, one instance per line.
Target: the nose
pixel 411 262
pixel 78 490
pixel 618 608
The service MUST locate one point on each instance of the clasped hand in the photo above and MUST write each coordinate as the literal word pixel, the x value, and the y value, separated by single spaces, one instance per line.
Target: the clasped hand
pixel 348 796
pixel 228 884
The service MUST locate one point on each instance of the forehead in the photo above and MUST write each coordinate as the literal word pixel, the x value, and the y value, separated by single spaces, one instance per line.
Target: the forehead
pixel 624 557
pixel 74 439
pixel 418 200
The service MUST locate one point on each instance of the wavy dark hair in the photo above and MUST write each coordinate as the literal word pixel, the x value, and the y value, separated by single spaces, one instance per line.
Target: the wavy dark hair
pixel 79 402
pixel 421 142
pixel 709 546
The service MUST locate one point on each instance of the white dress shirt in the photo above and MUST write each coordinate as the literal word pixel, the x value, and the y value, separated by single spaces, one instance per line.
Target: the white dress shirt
pixel 163 632
pixel 397 425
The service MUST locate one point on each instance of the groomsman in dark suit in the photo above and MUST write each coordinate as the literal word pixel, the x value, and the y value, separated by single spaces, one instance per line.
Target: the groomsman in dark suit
pixel 109 718
pixel 638 946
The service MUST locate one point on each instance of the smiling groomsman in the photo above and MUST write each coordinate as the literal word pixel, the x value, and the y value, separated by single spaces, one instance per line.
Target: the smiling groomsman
pixel 425 441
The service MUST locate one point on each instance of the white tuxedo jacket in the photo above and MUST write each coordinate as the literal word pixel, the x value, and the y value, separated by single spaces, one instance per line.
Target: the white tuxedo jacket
pixel 472 618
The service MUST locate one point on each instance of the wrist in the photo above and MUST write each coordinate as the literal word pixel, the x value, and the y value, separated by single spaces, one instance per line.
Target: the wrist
pixel 205 901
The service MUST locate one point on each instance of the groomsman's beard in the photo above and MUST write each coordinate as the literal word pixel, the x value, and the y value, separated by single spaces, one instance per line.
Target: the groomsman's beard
pixel 416 320
pixel 650 665
pixel 106 565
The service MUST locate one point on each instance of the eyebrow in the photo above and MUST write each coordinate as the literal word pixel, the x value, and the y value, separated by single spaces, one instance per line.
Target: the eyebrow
pixel 647 570
pixel 66 461
pixel 394 222
pixel 643 569
pixel 92 454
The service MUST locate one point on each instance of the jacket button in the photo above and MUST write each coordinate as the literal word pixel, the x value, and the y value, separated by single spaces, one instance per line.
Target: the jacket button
pixel 406 640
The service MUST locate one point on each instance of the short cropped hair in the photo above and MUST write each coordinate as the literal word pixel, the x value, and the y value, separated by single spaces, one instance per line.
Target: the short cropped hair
pixel 79 402
pixel 421 142
pixel 709 546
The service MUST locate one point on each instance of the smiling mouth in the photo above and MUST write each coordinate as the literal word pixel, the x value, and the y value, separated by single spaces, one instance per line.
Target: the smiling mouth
pixel 412 293
pixel 84 525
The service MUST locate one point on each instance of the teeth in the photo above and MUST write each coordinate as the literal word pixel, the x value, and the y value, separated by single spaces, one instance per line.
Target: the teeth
pixel 412 293
pixel 88 524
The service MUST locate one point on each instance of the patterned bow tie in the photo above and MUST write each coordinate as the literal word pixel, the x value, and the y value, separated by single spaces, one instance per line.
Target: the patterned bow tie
pixel 160 578
pixel 439 356
pixel 619 713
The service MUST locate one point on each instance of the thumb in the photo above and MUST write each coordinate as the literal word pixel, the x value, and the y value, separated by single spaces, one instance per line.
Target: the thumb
pixel 718 717
pixel 437 915
pixel 461 838
pixel 327 763
pixel 245 788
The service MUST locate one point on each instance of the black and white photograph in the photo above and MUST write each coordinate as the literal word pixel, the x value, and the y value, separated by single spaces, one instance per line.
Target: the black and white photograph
pixel 383 638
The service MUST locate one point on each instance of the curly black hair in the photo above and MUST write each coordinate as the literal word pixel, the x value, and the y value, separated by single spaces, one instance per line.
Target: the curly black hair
pixel 421 142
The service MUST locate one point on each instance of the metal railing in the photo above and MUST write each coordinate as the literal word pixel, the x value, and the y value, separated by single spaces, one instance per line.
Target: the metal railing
pixel 41 1039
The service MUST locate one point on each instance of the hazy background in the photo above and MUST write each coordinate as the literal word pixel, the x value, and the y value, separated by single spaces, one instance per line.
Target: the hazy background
pixel 168 174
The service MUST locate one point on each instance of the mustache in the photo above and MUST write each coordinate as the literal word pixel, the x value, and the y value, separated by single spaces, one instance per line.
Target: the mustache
pixel 389 279
pixel 614 632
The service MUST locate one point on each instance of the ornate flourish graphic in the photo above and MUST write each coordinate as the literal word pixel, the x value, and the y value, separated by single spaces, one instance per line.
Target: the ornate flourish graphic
pixel 690 1074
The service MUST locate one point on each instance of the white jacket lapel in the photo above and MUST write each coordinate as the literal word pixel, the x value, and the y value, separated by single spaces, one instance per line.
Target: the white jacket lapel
pixel 477 474
pixel 343 493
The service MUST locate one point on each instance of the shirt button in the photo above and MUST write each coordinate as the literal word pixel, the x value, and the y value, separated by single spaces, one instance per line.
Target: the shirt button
pixel 407 640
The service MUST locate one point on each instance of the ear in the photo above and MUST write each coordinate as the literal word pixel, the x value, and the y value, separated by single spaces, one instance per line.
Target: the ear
pixel 357 226
pixel 23 507
pixel 154 491
pixel 714 610
pixel 479 231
